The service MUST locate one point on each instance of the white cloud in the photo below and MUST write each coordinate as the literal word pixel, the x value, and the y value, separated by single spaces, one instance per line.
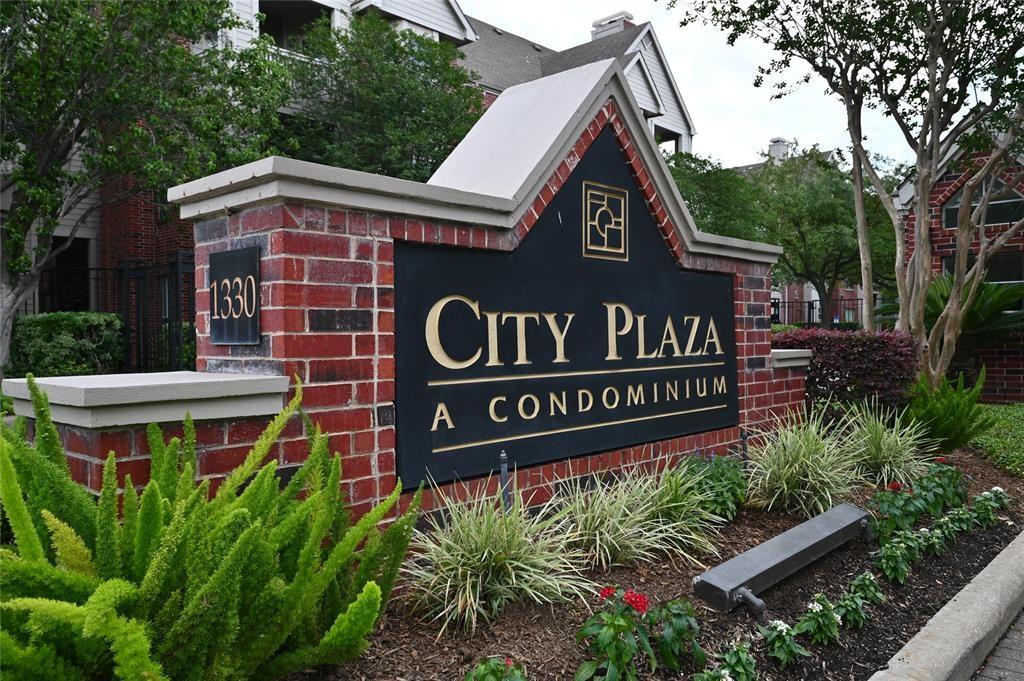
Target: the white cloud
pixel 734 120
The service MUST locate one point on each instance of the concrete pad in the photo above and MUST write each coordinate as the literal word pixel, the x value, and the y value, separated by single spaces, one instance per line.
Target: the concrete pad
pixel 955 642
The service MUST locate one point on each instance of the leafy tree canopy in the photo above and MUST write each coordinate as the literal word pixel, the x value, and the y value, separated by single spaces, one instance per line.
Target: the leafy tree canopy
pixel 119 92
pixel 721 200
pixel 379 100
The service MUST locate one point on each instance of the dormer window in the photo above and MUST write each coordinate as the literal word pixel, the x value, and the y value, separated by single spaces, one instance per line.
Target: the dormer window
pixel 1007 209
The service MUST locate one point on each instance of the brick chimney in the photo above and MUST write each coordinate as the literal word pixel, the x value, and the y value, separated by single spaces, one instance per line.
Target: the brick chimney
pixel 613 23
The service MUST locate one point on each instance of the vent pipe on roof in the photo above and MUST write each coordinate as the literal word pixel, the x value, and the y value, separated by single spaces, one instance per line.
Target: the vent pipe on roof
pixel 613 23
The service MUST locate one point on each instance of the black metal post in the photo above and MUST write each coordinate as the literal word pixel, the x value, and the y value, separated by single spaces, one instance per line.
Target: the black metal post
pixel 503 480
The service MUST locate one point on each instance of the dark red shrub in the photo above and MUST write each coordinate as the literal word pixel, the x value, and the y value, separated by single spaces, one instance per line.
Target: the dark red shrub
pixel 850 366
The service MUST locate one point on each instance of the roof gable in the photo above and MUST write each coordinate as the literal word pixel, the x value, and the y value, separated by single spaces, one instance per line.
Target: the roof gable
pixel 443 16
pixel 521 144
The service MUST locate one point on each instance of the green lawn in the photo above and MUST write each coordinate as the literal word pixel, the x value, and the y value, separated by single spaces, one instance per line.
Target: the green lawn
pixel 1004 443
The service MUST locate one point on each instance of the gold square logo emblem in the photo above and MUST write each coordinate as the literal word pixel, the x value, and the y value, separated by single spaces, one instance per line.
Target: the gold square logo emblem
pixel 605 222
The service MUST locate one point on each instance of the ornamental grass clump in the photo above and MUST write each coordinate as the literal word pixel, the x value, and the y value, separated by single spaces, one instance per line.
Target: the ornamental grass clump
pixel 803 467
pixel 636 517
pixel 887 449
pixel 477 557
pixel 250 582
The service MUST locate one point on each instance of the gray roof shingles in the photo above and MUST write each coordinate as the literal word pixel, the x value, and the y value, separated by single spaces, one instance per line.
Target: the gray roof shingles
pixel 502 59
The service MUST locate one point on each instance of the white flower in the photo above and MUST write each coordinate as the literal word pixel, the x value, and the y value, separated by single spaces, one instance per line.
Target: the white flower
pixel 987 494
pixel 779 626
pixel 997 489
pixel 839 620
pixel 726 676
pixel 814 606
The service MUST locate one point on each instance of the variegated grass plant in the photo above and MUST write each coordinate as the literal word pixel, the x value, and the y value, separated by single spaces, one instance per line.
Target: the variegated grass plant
pixel 638 517
pixel 803 466
pixel 887 447
pixel 475 557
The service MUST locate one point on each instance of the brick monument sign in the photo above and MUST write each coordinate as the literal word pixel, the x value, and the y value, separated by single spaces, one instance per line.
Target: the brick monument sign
pixel 545 293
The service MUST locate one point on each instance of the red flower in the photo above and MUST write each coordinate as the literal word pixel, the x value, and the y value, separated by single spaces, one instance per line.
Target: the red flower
pixel 940 459
pixel 606 593
pixel 508 661
pixel 635 600
pixel 895 486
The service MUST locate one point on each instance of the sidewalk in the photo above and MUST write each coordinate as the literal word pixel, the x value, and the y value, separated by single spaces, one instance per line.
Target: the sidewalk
pixel 1006 662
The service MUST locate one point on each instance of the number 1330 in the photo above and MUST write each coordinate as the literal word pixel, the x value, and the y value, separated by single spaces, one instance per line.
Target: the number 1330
pixel 233 298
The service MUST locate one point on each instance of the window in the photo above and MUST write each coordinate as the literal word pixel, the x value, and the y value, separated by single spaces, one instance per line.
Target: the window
pixel 286 20
pixel 1007 209
pixel 1002 267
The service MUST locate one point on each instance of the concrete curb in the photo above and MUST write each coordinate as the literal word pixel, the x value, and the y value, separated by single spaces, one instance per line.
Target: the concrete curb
pixel 955 642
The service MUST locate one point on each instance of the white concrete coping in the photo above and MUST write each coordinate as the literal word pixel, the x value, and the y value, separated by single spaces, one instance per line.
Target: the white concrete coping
pixel 958 638
pixel 109 400
pixel 490 179
pixel 784 359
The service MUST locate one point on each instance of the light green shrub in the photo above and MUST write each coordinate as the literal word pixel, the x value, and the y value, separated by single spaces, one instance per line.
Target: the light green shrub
pixel 252 582
pixel 476 557
pixel 950 413
pixel 803 467
pixel 887 448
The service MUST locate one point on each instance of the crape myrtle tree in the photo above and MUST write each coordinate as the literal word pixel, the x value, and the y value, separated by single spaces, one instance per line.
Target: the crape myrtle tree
pixel 949 74
pixel 139 95
pixel 379 100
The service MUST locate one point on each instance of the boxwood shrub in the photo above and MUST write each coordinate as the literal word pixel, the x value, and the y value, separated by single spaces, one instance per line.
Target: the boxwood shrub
pixel 851 366
pixel 66 344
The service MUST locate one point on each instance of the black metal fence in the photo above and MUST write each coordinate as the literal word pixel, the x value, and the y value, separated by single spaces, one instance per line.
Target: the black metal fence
pixel 843 311
pixel 157 304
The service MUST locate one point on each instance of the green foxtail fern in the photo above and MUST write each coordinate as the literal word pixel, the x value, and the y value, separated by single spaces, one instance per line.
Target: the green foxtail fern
pixel 251 582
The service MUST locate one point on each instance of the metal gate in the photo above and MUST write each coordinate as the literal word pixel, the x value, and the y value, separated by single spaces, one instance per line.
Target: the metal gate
pixel 158 306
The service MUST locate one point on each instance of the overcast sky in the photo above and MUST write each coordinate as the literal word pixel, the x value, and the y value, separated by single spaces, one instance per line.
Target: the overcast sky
pixel 734 120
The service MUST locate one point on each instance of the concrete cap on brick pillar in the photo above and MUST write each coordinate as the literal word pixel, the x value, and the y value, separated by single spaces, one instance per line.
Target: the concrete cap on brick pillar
pixel 490 179
pixel 103 401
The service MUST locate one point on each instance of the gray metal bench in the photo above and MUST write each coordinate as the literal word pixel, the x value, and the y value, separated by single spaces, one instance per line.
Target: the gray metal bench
pixel 740 579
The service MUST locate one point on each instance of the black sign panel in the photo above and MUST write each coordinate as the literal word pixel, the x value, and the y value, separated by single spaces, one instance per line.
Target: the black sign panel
pixel 235 297
pixel 587 338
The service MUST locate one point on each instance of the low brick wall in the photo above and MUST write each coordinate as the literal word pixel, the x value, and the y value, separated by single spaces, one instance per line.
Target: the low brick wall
pixel 222 445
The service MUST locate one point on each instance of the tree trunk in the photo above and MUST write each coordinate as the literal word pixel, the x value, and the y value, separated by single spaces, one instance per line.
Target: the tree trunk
pixel 825 299
pixel 11 298
pixel 864 247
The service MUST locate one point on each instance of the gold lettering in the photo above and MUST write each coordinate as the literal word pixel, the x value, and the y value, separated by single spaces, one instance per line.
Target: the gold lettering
pixel 687 384
pixel 635 394
pixel 580 394
pixel 655 386
pixel 536 406
pixel 441 414
pixel 558 333
pixel 614 331
pixel 493 360
pixel 712 337
pixel 492 409
pixel 432 332
pixel 719 387
pixel 520 319
pixel 693 333
pixel 669 336
pixel 604 398
pixel 672 389
pixel 554 399
pixel 702 387
pixel 641 328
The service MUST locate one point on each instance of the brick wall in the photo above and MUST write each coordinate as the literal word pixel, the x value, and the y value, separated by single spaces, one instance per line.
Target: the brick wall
pixel 134 227
pixel 1004 357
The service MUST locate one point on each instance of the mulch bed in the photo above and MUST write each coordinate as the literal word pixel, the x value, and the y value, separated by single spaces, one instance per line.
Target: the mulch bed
pixel 542 639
